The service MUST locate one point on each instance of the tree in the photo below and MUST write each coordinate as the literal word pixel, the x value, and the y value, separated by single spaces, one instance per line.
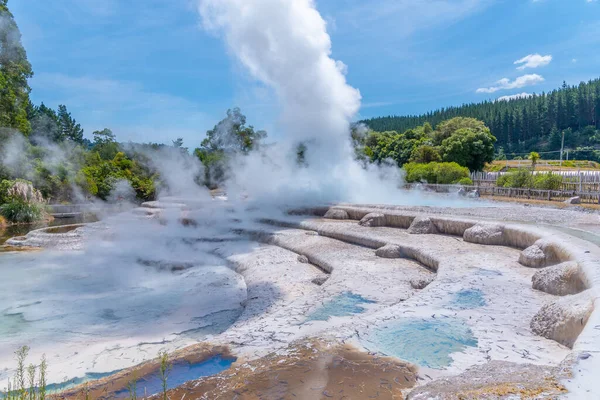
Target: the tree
pixel 448 128
pixel 501 155
pixel 105 144
pixel 15 70
pixel 427 129
pixel 232 135
pixel 469 148
pixel 533 157
pixel 69 128
pixel 44 124
pixel 425 154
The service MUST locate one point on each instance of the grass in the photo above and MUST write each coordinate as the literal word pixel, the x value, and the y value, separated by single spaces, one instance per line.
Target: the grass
pixel 24 385
pixel 165 370
pixel 29 382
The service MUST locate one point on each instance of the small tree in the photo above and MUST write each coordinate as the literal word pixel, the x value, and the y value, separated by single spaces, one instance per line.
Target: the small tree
pixel 533 157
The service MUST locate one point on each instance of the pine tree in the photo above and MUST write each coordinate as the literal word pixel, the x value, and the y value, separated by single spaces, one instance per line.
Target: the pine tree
pixel 69 128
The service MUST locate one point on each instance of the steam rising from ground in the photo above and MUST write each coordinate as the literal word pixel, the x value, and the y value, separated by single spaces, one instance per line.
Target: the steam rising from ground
pixel 285 45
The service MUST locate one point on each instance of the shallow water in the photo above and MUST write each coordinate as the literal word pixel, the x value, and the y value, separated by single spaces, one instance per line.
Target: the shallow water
pixel 179 374
pixel 428 343
pixel 467 299
pixel 342 305
pixel 99 309
pixel 22 229
pixel 92 376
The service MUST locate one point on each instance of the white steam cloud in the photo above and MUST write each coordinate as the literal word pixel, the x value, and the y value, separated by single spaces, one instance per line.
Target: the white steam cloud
pixel 285 45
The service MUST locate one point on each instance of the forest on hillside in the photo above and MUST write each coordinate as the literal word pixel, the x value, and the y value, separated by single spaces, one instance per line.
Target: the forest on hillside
pixel 522 125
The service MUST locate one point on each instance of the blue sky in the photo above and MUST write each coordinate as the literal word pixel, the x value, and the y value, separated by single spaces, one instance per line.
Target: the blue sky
pixel 147 70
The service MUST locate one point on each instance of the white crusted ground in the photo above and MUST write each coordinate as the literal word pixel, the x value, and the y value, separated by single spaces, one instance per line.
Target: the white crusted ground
pixel 278 292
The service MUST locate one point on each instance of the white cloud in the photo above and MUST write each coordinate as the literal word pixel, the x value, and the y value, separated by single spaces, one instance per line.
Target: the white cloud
pixel 505 83
pixel 533 61
pixel 523 95
pixel 574 60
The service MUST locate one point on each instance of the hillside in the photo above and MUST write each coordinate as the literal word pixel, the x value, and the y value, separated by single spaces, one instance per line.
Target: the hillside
pixel 528 124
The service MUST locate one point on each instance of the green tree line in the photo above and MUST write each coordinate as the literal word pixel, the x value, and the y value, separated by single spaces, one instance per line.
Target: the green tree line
pixel 533 123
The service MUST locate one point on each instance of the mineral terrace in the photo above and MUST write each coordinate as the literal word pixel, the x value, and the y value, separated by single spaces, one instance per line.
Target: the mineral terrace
pixel 353 302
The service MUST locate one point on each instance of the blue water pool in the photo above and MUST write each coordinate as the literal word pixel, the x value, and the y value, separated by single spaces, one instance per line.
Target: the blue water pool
pixel 427 343
pixel 92 376
pixel 342 305
pixel 180 373
pixel 468 299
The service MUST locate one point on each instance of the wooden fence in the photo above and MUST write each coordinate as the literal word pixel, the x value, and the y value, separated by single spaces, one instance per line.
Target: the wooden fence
pixel 573 181
pixel 588 197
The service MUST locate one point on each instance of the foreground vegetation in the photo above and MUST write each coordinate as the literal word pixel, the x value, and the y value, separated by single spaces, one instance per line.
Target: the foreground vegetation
pixel 30 381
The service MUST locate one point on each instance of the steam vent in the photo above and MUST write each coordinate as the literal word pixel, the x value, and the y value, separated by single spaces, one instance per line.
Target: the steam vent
pixel 345 301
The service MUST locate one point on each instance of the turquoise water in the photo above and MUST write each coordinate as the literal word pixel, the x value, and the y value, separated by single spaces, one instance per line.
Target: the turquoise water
pixel 468 299
pixel 180 373
pixel 427 343
pixel 342 305
pixel 11 324
pixel 92 376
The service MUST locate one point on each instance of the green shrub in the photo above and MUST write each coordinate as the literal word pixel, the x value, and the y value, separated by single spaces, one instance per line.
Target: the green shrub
pixel 416 172
pixel 450 172
pixel 465 182
pixel 18 211
pixel 520 178
pixel 443 173
pixel 547 181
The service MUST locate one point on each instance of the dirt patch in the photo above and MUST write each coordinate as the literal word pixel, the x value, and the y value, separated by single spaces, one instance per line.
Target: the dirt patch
pixel 307 370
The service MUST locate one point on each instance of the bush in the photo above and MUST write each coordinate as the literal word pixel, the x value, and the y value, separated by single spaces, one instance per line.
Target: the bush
pixel 450 172
pixel 18 211
pixel 520 178
pixel 425 154
pixel 465 182
pixel 547 181
pixel 443 173
pixel 416 172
